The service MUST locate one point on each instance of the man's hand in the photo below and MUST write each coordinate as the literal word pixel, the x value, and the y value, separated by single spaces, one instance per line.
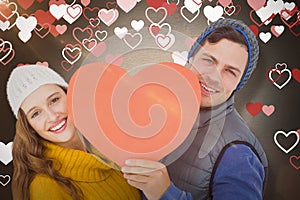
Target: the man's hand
pixel 149 176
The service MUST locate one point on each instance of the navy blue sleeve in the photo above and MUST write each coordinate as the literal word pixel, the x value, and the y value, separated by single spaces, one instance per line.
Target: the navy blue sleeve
pixel 239 175
pixel 174 193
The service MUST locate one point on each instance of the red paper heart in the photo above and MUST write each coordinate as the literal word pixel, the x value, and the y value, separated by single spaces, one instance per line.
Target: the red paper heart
pixel 254 108
pixel 145 116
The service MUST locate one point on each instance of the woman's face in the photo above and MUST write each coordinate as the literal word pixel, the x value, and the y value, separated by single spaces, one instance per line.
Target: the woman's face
pixel 46 111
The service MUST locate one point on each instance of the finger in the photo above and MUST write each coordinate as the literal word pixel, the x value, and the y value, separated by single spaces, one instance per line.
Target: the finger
pixel 137 170
pixel 136 184
pixel 137 178
pixel 144 163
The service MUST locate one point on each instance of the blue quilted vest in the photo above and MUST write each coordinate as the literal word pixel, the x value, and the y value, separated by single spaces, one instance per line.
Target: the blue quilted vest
pixel 192 165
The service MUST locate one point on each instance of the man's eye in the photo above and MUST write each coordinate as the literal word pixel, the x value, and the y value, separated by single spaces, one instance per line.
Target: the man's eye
pixel 231 72
pixel 209 61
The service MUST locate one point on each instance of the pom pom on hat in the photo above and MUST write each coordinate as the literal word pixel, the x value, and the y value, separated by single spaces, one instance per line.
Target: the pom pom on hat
pixel 25 79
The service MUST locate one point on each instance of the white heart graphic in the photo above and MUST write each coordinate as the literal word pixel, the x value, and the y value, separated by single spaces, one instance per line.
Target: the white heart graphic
pixel 286 135
pixel 137 42
pixel 137 25
pixel 281 71
pixel 6 152
pixel 213 13
pixel 180 57
pixel 187 19
pixel 120 32
pixel 4 182
pixel 265 37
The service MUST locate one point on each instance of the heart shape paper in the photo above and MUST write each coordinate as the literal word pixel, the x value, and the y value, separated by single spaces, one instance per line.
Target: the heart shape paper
pixel 145 116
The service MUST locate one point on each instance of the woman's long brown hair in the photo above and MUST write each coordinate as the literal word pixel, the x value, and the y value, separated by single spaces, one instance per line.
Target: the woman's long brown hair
pixel 29 160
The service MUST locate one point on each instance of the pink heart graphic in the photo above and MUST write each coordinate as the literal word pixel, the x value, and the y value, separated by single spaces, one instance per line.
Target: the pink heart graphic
pixel 256 4
pixel 268 110
pixel 225 3
pixel 99 49
pixel 295 162
pixel 108 16
pixel 61 28
pixel 46 64
pixel 126 5
pixel 85 2
pixel 114 59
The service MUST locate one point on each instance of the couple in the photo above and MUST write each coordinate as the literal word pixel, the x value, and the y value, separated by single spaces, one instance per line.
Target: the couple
pixel 221 160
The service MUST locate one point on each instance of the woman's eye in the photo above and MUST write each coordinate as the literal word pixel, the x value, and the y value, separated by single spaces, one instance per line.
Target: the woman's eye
pixel 35 114
pixel 54 100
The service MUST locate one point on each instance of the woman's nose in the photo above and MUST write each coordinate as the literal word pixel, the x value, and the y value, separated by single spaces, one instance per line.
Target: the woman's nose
pixel 52 115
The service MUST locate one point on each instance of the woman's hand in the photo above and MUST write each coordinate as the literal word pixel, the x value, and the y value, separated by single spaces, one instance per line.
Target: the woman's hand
pixel 149 176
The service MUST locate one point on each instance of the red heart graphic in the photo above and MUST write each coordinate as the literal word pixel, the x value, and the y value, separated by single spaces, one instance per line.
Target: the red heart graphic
pixel 296 74
pixel 257 23
pixel 66 65
pixel 111 5
pixel 8 58
pixel 90 13
pixel 254 29
pixel 5 12
pixel 54 31
pixel 272 71
pixel 291 13
pixel 44 17
pixel 25 3
pixel 153 29
pixel 79 34
pixel 42 30
pixel 171 8
pixel 155 3
pixel 254 108
pixel 145 116
pixel 295 161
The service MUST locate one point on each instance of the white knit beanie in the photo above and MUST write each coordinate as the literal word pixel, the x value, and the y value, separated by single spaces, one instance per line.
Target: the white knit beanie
pixel 25 79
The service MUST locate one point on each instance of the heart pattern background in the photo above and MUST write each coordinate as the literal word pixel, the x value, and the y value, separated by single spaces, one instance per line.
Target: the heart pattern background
pixel 84 30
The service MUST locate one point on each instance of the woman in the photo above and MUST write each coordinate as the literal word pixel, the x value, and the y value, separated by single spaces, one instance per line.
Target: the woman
pixel 49 156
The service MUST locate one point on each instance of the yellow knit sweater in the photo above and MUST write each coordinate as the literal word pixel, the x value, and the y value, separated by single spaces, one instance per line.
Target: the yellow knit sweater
pixel 95 179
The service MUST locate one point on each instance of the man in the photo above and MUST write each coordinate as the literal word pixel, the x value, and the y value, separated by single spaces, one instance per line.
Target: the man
pixel 221 159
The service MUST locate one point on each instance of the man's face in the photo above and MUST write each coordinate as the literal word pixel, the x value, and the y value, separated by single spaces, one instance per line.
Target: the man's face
pixel 219 67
